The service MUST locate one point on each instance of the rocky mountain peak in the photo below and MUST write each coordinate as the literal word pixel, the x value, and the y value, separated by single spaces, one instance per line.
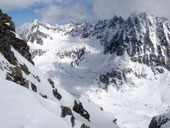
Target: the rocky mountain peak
pixel 35 22
pixel 145 38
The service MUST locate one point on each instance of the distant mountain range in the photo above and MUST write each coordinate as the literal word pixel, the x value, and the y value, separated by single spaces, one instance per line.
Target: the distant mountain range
pixel 121 65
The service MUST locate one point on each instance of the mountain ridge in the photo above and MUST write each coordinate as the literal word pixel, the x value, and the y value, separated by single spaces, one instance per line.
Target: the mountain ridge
pixel 121 65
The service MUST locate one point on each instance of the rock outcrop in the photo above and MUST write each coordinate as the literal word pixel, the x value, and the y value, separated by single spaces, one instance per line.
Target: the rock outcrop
pixel 158 121
pixel 8 38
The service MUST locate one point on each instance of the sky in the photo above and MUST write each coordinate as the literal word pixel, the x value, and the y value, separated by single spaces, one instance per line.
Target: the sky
pixel 63 11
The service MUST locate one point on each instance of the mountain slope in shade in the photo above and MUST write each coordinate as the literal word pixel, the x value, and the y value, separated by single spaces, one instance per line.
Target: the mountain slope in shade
pixel 29 99
pixel 121 65
pixel 160 121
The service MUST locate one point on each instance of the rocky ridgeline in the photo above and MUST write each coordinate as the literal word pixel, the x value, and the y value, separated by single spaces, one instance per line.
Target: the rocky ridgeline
pixel 8 38
pixel 143 37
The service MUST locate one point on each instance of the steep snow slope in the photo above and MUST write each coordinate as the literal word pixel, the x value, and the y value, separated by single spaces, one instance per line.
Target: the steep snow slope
pixel 32 110
pixel 25 109
pixel 121 65
pixel 31 100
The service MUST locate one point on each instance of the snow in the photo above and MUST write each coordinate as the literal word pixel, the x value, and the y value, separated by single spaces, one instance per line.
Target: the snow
pixel 54 64
pixel 7 24
pixel 16 35
pixel 21 107
pixel 139 98
pixel 133 107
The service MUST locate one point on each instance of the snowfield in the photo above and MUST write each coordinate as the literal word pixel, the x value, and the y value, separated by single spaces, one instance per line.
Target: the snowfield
pixel 21 107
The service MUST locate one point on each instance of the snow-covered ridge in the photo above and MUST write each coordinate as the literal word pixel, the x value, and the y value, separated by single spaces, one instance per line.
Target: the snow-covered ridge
pixel 48 100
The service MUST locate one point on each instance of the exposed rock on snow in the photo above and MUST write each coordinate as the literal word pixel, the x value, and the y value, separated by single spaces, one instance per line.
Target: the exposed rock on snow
pixel 78 107
pixel 159 122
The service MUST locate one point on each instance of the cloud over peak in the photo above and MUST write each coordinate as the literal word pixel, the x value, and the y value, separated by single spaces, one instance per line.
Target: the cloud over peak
pixel 54 11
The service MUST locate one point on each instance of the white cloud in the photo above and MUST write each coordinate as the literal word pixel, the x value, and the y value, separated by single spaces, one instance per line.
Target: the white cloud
pixel 103 9
pixel 107 8
pixel 15 4
pixel 78 10
pixel 52 13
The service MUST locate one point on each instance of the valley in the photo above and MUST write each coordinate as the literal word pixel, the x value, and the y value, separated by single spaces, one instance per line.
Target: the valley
pixel 120 65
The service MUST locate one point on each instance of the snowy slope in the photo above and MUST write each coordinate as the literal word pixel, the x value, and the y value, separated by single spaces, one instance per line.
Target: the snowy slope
pixel 32 110
pixel 121 65
pixel 31 100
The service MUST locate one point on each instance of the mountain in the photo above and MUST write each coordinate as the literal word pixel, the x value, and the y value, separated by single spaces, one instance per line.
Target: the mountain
pixel 29 99
pixel 121 65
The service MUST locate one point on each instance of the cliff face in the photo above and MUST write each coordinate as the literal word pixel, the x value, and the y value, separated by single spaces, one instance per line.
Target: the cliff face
pixel 8 38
